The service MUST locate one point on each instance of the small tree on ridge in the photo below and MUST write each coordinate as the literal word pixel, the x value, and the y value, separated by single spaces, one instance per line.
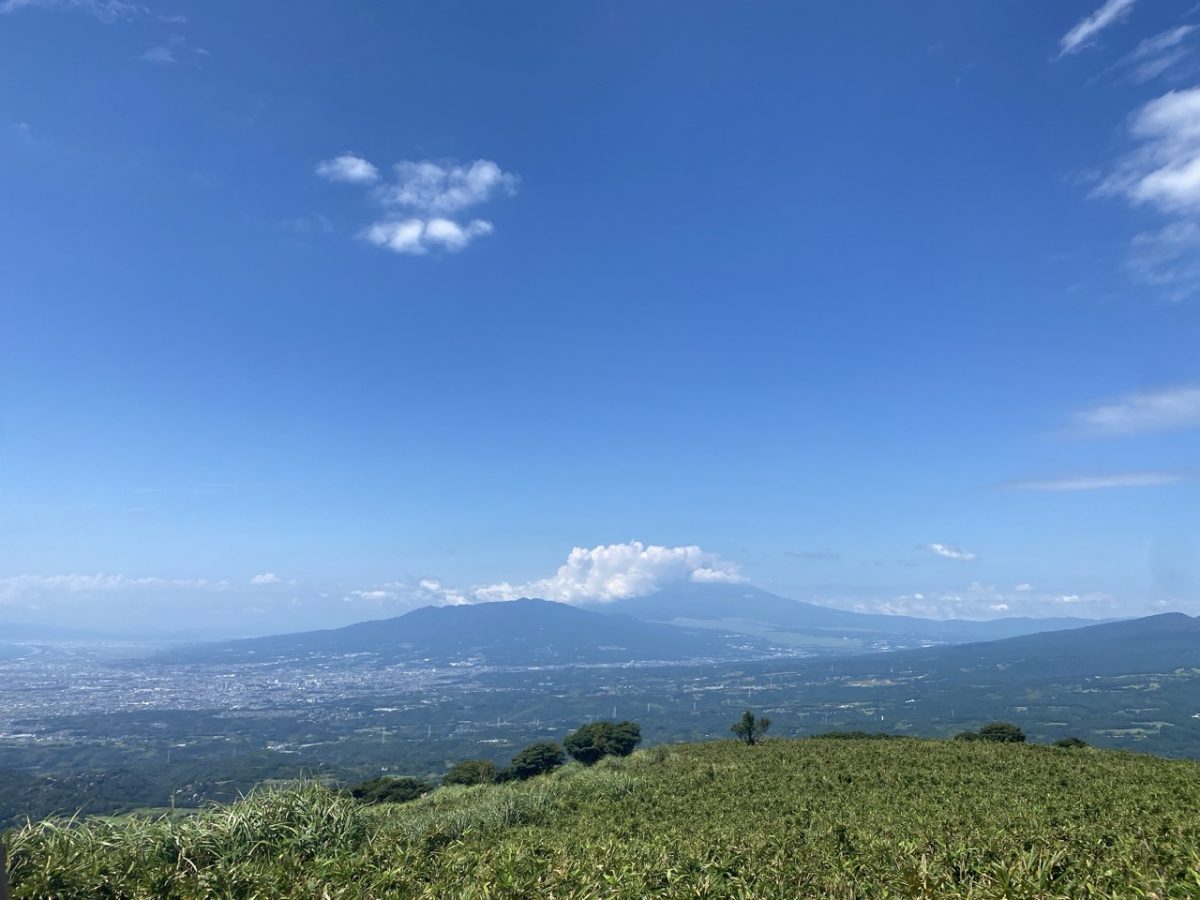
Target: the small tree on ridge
pixel 749 729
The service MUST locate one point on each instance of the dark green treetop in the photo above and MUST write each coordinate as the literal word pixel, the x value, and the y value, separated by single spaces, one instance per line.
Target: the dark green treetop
pixel 536 759
pixel 471 771
pixel 387 789
pixel 599 739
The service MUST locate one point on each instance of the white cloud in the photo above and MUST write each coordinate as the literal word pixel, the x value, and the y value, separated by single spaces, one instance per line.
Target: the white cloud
pixel 266 578
pixel 105 10
pixel 1168 409
pixel 348 168
pixel 949 551
pixel 617 571
pixel 1098 482
pixel 399 596
pixel 1164 172
pixel 444 189
pixel 1086 30
pixel 1155 55
pixel 1023 588
pixel 422 199
pixel 417 236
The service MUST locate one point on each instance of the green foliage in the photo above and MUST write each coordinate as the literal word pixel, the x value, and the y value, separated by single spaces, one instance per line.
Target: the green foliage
pixel 830 818
pixel 388 789
pixel 1071 742
pixel 994 732
pixel 599 739
pixel 471 771
pixel 536 759
pixel 749 729
pixel 1002 733
pixel 856 736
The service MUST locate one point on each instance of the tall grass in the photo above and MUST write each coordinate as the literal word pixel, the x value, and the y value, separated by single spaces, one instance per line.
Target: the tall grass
pixel 785 819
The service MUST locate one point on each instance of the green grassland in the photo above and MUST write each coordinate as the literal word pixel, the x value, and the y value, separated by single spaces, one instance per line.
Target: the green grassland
pixel 783 819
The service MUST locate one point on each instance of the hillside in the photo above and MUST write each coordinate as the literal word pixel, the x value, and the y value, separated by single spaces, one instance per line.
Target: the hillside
pixel 1162 643
pixel 785 819
pixel 518 632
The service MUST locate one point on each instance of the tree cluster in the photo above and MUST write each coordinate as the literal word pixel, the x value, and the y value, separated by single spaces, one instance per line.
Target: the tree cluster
pixel 995 732
pixel 592 742
pixel 389 789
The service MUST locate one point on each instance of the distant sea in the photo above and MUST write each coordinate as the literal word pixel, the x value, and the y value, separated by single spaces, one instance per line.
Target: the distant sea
pixel 13 651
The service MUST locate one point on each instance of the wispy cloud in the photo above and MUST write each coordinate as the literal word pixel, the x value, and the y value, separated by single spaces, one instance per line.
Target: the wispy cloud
pixel 21 588
pixel 1168 258
pixel 949 551
pixel 105 10
pixel 348 168
pixel 1168 409
pixel 984 601
pixel 314 223
pixel 613 572
pixel 1098 482
pixel 1085 32
pixel 813 554
pixel 1163 174
pixel 1155 55
pixel 173 50
pixel 266 578
pixel 421 200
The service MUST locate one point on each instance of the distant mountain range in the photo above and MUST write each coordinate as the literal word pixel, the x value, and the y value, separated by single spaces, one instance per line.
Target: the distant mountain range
pixel 1162 643
pixel 698 621
pixel 508 633
pixel 749 610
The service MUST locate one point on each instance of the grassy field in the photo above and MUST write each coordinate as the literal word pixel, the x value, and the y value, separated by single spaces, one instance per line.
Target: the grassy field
pixel 785 819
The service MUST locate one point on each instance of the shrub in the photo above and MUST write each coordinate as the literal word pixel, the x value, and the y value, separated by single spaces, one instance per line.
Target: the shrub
pixel 599 739
pixel 536 759
pixel 995 732
pixel 387 789
pixel 1071 742
pixel 1002 733
pixel 471 771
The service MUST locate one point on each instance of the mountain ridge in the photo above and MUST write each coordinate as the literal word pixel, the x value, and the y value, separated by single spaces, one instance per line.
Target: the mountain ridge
pixel 527 631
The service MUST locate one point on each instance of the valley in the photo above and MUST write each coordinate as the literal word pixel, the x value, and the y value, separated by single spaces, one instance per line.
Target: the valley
pixel 85 728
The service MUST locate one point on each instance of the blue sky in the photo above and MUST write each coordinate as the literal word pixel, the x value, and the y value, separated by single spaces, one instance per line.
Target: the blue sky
pixel 313 313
